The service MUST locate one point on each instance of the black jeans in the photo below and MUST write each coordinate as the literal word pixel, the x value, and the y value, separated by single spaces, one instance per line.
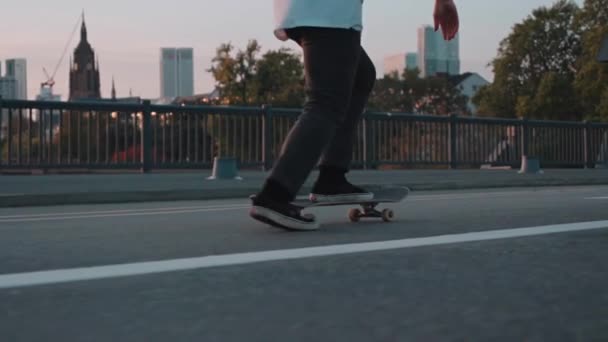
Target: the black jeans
pixel 339 79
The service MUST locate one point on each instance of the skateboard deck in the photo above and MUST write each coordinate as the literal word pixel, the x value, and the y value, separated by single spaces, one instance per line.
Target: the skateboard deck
pixel 368 207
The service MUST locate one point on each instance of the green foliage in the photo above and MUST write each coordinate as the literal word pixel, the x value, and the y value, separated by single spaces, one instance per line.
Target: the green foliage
pixel 554 100
pixel 592 77
pixel 538 57
pixel 547 67
pixel 410 93
pixel 280 79
pixel 243 78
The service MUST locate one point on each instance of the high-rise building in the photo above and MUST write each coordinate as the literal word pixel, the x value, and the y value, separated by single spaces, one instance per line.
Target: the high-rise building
pixel 84 70
pixel 411 60
pixel 8 86
pixel 394 64
pixel 435 55
pixel 399 63
pixel 176 72
pixel 17 68
pixel 46 94
pixel 453 55
pixel 8 89
pixel 13 85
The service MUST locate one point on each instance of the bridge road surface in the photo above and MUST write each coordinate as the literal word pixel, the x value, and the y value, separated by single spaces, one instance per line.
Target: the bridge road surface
pixel 498 265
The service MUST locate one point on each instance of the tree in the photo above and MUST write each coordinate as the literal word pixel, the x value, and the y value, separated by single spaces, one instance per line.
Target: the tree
pixel 592 77
pixel 223 70
pixel 594 14
pixel 412 94
pixel 545 42
pixel 498 99
pixel 554 100
pixel 245 71
pixel 390 94
pixel 280 79
pixel 277 78
pixel 438 96
pixel 602 110
pixel 234 74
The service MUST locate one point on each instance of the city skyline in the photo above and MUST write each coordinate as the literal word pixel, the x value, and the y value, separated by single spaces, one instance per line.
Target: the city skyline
pixel 128 42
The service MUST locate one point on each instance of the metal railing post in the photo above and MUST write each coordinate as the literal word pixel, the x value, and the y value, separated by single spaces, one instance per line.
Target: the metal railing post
pixel 367 142
pixel 453 142
pixel 524 131
pixel 1 134
pixel 587 145
pixel 146 138
pixel 267 137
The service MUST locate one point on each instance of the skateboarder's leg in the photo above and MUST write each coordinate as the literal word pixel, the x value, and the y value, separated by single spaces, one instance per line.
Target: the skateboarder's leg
pixel 331 58
pixel 336 159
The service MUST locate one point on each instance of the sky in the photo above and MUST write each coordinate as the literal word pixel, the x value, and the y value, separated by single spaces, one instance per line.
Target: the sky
pixel 127 35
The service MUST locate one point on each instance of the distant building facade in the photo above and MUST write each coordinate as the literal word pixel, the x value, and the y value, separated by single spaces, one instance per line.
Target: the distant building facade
pixel 435 55
pixel 176 72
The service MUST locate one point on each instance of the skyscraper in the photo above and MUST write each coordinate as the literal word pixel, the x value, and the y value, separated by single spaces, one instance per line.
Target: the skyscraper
pixel 176 72
pixel 17 69
pixel 435 55
pixel 8 85
pixel 394 64
pixel 399 63
pixel 411 61
pixel 453 55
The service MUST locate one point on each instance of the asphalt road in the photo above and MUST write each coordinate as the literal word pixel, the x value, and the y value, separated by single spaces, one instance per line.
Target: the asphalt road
pixel 498 265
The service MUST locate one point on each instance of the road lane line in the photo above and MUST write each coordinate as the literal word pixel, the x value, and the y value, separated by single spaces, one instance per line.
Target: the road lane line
pixel 117 211
pixel 240 204
pixel 155 213
pixel 155 267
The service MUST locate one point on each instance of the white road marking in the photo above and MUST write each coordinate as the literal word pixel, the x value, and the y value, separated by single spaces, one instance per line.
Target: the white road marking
pixel 55 216
pixel 597 198
pixel 147 213
pixel 155 267
pixel 498 194
pixel 117 211
pixel 10 195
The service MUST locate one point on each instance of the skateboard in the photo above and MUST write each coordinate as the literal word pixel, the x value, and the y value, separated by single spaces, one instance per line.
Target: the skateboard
pixel 368 207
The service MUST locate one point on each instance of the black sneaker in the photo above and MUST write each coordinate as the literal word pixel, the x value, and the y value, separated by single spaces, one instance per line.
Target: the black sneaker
pixel 281 215
pixel 339 192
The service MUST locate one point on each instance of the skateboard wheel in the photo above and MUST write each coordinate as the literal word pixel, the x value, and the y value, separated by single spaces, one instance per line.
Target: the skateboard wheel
pixel 355 215
pixel 388 215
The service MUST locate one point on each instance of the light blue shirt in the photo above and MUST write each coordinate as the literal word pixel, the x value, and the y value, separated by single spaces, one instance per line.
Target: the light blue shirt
pixel 317 13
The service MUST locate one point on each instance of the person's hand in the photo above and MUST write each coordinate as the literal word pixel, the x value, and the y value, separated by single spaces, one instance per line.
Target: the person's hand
pixel 446 17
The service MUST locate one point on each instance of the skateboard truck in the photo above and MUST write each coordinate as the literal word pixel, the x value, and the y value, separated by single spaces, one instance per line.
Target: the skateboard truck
pixel 369 210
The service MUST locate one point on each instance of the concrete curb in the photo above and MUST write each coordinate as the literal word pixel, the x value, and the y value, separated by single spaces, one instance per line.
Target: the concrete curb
pixel 57 199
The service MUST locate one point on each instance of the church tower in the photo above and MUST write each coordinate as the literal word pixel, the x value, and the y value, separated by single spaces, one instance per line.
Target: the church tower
pixel 113 91
pixel 84 70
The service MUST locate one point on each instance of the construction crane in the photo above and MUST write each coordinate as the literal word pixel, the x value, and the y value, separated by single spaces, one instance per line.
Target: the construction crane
pixel 50 78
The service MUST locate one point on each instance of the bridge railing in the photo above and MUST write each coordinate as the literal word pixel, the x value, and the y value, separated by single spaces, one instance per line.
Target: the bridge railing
pixel 107 135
